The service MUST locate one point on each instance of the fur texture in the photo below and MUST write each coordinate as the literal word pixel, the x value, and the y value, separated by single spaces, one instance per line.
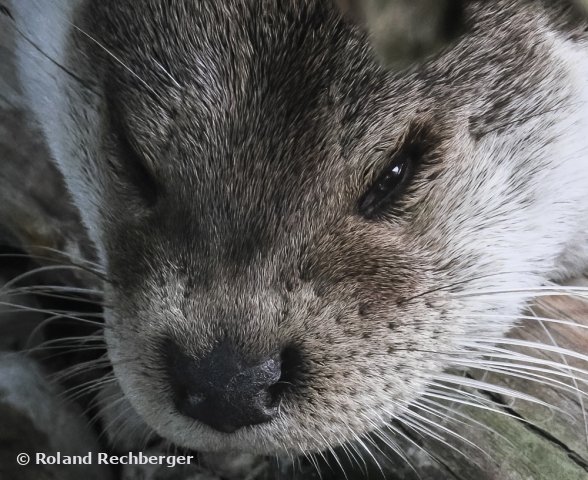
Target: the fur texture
pixel 218 150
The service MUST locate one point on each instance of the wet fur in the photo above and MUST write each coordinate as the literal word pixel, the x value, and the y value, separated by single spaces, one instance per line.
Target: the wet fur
pixel 264 122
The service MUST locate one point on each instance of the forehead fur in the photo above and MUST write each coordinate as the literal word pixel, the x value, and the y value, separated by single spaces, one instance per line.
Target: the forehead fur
pixel 274 68
pixel 253 123
pixel 277 120
pixel 283 81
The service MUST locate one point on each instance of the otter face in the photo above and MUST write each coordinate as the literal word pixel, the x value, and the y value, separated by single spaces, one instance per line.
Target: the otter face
pixel 269 262
pixel 293 236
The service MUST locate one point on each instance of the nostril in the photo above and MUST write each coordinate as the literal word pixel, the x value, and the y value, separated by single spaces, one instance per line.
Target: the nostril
pixel 180 368
pixel 224 389
pixel 290 369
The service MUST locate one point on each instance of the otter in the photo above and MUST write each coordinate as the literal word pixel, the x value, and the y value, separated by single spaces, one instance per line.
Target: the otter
pixel 297 241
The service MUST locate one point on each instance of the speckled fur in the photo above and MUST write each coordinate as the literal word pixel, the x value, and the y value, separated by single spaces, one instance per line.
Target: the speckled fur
pixel 264 122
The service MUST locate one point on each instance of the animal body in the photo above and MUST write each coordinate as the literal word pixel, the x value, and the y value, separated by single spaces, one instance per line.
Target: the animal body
pixel 297 241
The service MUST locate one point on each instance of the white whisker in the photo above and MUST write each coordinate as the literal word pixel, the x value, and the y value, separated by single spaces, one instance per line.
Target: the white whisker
pixel 489 387
pixel 573 378
pixel 523 343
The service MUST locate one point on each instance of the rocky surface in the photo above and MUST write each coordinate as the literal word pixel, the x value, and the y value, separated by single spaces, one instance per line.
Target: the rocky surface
pixel 35 419
pixel 404 32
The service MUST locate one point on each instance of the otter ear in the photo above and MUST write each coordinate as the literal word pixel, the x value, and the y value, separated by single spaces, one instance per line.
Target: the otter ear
pixel 404 32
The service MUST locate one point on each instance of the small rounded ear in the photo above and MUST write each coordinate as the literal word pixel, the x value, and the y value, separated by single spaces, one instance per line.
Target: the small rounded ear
pixel 406 31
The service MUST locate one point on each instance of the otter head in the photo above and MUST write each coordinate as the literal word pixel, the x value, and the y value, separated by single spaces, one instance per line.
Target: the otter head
pixel 293 236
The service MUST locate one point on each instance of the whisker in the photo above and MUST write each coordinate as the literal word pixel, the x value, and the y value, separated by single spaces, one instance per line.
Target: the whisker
pixel 395 447
pixel 581 292
pixel 352 458
pixel 310 457
pixel 358 457
pixel 35 271
pixel 388 443
pixel 167 73
pixel 529 376
pixel 485 386
pixel 424 431
pixel 337 461
pixel 567 323
pixel 46 258
pixel 362 444
pixel 522 368
pixel 119 61
pixel 48 57
pixel 102 407
pixel 321 453
pixel 106 429
pixel 573 378
pixel 421 418
pixel 420 405
pixel 505 354
pixel 460 282
pixel 475 403
pixel 526 344
pixel 79 369
pixel 76 292
pixel 467 419
pixel 86 387
pixel 65 255
pixel 65 314
pixel 379 450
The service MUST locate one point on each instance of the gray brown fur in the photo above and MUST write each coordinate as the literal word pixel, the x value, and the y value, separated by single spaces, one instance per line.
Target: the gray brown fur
pixel 264 122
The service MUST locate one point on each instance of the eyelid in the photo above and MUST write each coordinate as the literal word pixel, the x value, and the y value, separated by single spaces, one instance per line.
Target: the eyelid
pixel 369 205
pixel 413 148
pixel 139 173
pixel 133 166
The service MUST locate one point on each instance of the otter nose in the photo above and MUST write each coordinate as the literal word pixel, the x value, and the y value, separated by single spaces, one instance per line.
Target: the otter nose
pixel 223 390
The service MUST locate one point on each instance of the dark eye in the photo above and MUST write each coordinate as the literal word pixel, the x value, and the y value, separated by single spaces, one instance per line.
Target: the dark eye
pixel 387 187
